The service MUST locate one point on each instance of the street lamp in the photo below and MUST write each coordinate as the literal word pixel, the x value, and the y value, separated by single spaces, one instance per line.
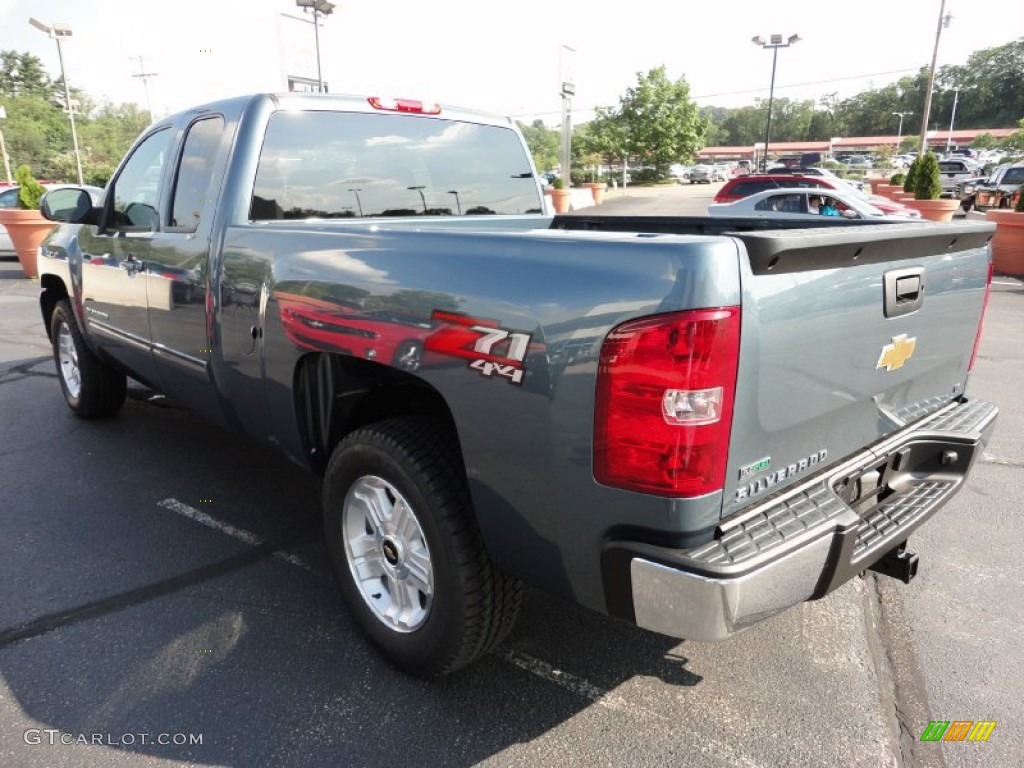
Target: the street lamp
pixel 944 19
pixel 57 32
pixel 458 205
pixel 317 8
pixel 899 131
pixel 774 42
pixel 422 197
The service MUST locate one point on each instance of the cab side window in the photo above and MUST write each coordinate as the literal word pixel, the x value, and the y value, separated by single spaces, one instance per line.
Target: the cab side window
pixel 136 189
pixel 192 193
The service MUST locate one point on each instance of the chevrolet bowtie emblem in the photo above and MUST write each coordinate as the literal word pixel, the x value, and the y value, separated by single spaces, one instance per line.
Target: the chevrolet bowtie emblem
pixel 896 354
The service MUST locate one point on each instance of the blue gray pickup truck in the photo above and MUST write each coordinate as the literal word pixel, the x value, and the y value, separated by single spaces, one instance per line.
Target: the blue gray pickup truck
pixel 690 424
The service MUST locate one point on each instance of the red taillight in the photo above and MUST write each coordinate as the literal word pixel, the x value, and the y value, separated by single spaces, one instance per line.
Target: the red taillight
pixel 665 389
pixel 981 320
pixel 404 105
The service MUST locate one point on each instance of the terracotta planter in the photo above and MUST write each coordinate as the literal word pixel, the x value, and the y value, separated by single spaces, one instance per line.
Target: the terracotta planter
pixel 27 230
pixel 884 189
pixel 875 183
pixel 1008 244
pixel 934 210
pixel 597 189
pixel 560 199
pixel 901 197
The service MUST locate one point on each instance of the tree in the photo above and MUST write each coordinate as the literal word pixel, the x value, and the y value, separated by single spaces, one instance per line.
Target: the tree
pixel 984 141
pixel 660 121
pixel 544 144
pixel 23 74
pixel 990 87
pixel 606 136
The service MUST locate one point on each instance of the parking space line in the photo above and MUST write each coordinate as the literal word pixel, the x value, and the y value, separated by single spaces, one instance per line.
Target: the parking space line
pixel 230 530
pixel 570 682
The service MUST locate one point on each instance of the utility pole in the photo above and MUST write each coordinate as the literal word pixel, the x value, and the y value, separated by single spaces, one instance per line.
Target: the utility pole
pixel 144 76
pixel 944 20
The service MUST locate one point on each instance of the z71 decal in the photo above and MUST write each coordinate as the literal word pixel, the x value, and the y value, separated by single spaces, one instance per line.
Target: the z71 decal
pixel 491 350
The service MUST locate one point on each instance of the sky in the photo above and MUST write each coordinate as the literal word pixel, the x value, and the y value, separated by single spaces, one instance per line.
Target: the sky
pixel 499 57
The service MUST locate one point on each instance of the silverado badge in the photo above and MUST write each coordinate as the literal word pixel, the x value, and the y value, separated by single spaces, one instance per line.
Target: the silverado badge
pixel 896 354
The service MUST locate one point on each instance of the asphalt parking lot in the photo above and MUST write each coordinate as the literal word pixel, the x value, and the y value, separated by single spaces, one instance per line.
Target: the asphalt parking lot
pixel 167 600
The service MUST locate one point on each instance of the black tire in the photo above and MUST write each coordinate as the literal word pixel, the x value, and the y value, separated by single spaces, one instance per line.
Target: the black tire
pixel 98 390
pixel 408 356
pixel 473 605
pixel 966 205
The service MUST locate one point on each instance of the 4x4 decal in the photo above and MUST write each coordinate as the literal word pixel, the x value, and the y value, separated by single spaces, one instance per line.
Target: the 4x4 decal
pixel 491 349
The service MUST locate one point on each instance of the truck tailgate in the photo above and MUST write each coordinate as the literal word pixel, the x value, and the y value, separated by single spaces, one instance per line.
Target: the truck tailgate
pixel 848 334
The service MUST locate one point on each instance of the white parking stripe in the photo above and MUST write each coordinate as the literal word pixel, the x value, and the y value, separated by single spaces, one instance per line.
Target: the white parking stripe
pixel 236 533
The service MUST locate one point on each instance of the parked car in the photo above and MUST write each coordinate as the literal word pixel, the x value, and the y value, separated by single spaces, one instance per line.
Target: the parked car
pixel 702 174
pixel 953 171
pixel 736 189
pixel 1001 189
pixel 9 199
pixel 741 428
pixel 795 203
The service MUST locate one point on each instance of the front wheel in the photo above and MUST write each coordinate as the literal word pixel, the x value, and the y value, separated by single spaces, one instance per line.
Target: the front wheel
pixel 91 388
pixel 406 549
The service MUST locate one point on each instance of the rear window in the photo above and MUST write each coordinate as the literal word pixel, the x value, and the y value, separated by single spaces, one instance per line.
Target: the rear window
pixel 952 168
pixel 350 165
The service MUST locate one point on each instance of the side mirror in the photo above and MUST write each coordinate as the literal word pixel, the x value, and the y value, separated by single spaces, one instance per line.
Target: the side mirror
pixel 69 205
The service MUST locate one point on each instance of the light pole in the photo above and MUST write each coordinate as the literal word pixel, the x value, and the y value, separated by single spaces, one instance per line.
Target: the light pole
pixel 422 196
pixel 952 117
pixel 774 42
pixel 317 8
pixel 568 90
pixel 3 149
pixel 943 23
pixel 358 201
pixel 899 131
pixel 57 32
pixel 458 206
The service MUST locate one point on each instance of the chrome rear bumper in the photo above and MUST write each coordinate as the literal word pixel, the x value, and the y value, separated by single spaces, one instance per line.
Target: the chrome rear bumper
pixel 805 541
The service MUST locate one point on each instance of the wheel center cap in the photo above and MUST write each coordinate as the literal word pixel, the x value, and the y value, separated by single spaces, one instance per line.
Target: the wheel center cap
pixel 390 552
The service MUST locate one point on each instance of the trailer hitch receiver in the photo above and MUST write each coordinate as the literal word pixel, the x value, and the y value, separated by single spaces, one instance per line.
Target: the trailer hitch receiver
pixel 898 563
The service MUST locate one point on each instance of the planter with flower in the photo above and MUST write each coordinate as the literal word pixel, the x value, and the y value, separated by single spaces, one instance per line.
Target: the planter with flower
pixel 560 196
pixel 1008 244
pixel 927 189
pixel 25 224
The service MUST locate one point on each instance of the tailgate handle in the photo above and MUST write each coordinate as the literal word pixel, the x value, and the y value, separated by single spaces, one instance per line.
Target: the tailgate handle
pixel 908 288
pixel 904 291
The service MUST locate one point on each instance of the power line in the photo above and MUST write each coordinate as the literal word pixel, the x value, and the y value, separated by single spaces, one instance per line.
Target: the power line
pixel 748 90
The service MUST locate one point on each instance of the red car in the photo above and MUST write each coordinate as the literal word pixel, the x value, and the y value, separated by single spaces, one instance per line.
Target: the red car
pixel 743 186
pixel 388 337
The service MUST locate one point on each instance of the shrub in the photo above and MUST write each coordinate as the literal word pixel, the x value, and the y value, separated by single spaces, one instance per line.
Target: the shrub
pixel 928 184
pixel 30 191
pixel 1019 207
pixel 558 183
pixel 911 178
pixel 897 179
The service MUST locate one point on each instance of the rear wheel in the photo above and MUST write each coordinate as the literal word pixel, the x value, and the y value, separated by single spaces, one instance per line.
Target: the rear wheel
pixel 406 549
pixel 91 388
